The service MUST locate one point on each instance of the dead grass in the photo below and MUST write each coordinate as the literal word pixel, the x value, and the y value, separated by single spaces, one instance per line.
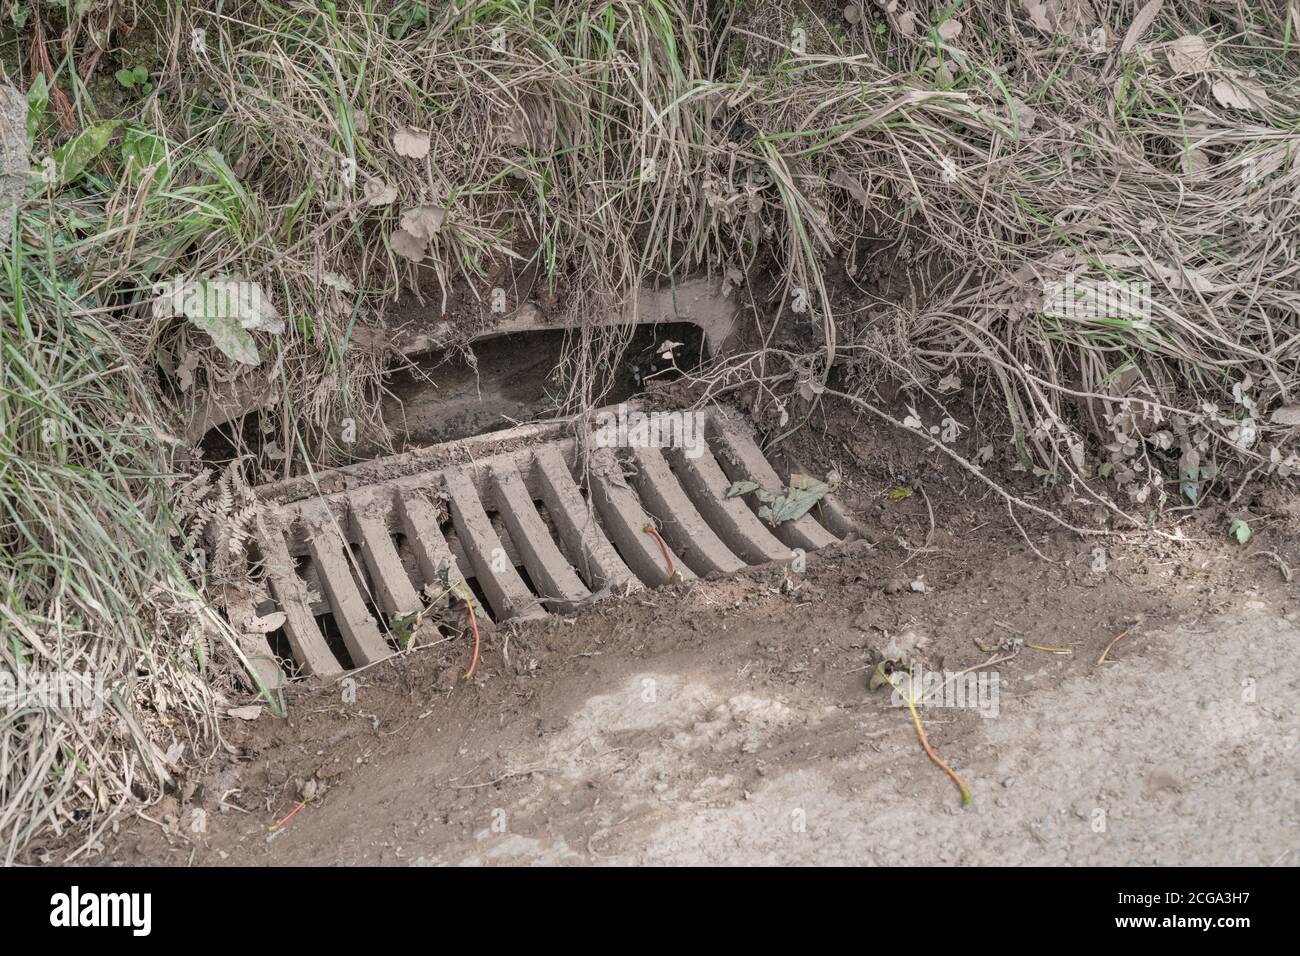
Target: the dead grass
pixel 344 156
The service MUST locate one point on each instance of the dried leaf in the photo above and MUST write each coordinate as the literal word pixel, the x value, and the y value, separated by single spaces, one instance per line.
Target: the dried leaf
pixel 1189 54
pixel 411 143
pixel 1037 11
pixel 1240 93
pixel 408 246
pixel 251 712
pixel 1141 23
pixel 266 623
pixel 950 29
pixel 851 185
pixel 423 222
pixel 379 193
pixel 1286 415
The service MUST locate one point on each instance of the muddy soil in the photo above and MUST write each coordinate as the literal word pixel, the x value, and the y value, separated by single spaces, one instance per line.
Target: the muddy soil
pixel 730 721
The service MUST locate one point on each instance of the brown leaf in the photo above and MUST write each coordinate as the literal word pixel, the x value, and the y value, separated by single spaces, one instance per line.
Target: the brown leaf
pixel 411 143
pixel 1286 415
pixel 1189 54
pixel 379 193
pixel 408 246
pixel 1241 94
pixel 854 188
pixel 423 222
pixel 1037 12
pixel 1141 23
pixel 950 29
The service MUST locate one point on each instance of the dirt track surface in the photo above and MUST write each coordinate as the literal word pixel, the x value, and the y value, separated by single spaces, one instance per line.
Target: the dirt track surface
pixel 729 722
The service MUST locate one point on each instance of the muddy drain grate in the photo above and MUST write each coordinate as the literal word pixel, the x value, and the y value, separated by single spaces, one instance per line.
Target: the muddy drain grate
pixel 508 520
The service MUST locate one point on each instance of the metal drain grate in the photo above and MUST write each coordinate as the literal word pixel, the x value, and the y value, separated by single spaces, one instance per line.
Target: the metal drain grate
pixel 521 531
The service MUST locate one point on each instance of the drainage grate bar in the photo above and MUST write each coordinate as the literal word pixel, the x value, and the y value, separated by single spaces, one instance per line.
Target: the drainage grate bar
pixel 554 577
pixel 741 459
pixel 679 522
pixel 575 521
pixel 361 634
pixel 397 598
pixel 419 518
pixel 626 521
pixel 737 525
pixel 308 644
pixel 505 589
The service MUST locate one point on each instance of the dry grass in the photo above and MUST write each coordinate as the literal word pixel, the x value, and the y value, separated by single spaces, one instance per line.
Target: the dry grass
pixel 581 150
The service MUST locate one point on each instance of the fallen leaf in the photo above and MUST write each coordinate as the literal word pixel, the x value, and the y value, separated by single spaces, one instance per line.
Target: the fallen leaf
pixel 1239 530
pixel 1189 54
pixel 266 623
pixel 408 246
pixel 1141 23
pixel 803 493
pixel 339 283
pixel 950 29
pixel 739 488
pixel 854 188
pixel 1037 12
pixel 411 143
pixel 379 193
pixel 423 222
pixel 1240 93
pixel 1286 415
pixel 251 712
pixel 185 371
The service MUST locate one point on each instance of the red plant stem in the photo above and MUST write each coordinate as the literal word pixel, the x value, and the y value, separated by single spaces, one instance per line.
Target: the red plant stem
pixel 473 622
pixel 650 530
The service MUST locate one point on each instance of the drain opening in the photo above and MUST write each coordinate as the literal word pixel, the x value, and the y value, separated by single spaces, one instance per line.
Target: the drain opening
pixel 334 639
pixel 282 651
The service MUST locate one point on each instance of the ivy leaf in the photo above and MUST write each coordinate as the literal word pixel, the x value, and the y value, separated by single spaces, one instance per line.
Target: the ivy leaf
pixel 38 95
pixel 798 500
pixel 72 158
pixel 1239 530
pixel 229 336
pixel 142 149
pixel 739 488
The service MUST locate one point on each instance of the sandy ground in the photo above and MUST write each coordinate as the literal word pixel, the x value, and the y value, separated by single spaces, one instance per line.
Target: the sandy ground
pixel 730 722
